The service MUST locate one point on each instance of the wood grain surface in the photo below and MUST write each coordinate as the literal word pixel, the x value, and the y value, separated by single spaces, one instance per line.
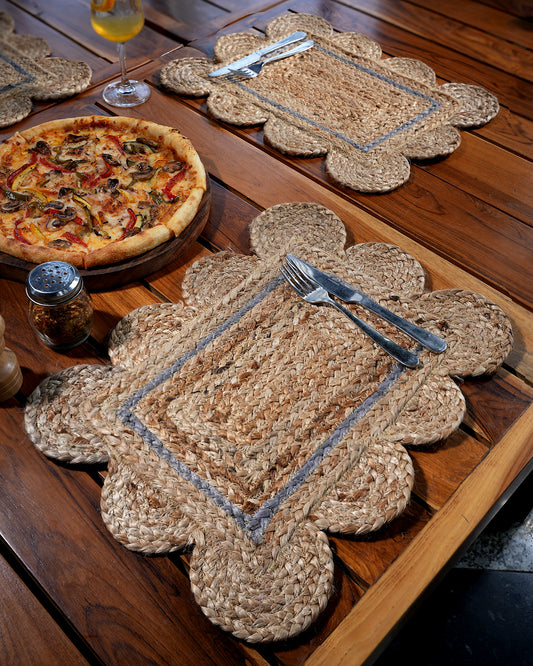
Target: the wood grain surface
pixel 72 593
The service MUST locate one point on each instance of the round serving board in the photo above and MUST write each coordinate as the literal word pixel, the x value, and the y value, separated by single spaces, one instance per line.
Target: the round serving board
pixel 115 275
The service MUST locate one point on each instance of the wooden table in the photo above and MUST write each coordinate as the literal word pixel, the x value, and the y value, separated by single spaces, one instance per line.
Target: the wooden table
pixel 70 593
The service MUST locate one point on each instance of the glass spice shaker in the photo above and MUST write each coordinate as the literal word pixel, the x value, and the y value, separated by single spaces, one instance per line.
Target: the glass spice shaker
pixel 60 310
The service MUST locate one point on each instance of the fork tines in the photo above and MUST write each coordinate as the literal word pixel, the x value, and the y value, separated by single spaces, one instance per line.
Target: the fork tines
pixel 295 280
pixel 312 292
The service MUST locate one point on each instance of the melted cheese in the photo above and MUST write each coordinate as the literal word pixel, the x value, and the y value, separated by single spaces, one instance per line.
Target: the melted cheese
pixel 110 206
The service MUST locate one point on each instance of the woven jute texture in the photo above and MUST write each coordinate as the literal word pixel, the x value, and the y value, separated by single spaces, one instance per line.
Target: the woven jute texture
pixel 368 115
pixel 247 423
pixel 28 72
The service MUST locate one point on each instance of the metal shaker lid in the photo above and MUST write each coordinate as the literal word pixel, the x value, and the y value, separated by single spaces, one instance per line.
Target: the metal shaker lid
pixel 53 282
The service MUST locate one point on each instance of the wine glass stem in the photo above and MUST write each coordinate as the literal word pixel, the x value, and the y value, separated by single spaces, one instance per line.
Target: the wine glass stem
pixel 125 83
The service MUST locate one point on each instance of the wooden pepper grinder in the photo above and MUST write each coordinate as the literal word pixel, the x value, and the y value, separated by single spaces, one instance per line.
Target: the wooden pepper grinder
pixel 10 373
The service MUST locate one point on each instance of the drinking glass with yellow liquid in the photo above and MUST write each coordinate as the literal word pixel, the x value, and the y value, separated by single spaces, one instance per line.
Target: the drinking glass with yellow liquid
pixel 118 21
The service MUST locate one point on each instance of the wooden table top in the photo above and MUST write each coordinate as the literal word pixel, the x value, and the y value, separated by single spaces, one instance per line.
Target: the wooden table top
pixel 71 593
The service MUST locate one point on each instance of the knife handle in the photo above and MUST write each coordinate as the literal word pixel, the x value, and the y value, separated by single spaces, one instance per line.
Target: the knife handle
pixel 290 39
pixel 426 338
pixel 257 55
pixel 397 352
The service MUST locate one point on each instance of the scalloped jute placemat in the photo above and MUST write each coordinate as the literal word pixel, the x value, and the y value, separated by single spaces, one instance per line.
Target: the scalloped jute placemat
pixel 28 72
pixel 367 114
pixel 249 423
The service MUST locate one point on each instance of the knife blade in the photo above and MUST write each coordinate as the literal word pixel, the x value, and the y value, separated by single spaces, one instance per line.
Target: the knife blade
pixel 257 55
pixel 349 294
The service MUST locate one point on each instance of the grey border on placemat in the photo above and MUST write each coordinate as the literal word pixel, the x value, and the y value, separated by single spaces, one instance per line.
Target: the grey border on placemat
pixel 434 105
pixel 255 525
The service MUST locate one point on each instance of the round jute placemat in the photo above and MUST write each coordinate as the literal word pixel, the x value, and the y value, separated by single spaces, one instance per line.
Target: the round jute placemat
pixel 368 115
pixel 249 423
pixel 27 72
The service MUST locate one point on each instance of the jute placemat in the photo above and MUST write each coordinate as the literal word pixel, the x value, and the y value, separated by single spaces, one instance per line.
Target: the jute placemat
pixel 248 422
pixel 368 115
pixel 27 71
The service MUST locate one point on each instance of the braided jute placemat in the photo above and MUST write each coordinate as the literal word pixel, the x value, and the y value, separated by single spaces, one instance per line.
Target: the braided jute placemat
pixel 367 114
pixel 249 423
pixel 27 71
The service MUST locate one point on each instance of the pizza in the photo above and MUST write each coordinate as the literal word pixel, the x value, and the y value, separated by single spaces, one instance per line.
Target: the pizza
pixel 96 190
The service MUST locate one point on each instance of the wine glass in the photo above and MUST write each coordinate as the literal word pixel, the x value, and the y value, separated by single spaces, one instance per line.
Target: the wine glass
pixel 118 21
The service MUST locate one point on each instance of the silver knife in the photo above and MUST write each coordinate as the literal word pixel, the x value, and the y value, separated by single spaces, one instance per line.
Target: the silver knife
pixel 257 55
pixel 337 287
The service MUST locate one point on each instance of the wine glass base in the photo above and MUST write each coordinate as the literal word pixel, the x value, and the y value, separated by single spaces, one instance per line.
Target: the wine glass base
pixel 131 94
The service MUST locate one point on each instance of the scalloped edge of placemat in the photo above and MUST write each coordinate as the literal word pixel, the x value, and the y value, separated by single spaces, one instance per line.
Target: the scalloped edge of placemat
pixel 35 75
pixel 264 575
pixel 415 118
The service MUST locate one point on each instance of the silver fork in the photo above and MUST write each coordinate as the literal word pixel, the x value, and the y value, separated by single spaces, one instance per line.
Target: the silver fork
pixel 312 292
pixel 254 70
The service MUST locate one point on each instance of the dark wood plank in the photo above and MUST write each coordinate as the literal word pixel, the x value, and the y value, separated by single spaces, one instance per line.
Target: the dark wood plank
pixel 510 131
pixel 483 17
pixel 498 197
pixel 476 236
pixel 516 7
pixel 120 603
pixel 193 20
pixel 441 468
pixel 29 634
pixel 495 403
pixel 245 8
pixel 369 555
pixel 185 20
pixel 167 282
pixel 110 307
pixel 227 228
pixel 505 186
pixel 477 43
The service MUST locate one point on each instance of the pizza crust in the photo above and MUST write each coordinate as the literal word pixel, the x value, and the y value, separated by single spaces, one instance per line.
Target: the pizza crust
pixel 35 254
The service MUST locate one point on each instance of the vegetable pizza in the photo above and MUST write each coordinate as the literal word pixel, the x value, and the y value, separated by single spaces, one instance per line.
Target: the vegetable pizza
pixel 96 190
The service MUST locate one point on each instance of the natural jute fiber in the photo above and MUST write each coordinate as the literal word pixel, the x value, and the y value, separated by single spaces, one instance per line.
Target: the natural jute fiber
pixel 247 423
pixel 28 72
pixel 341 99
